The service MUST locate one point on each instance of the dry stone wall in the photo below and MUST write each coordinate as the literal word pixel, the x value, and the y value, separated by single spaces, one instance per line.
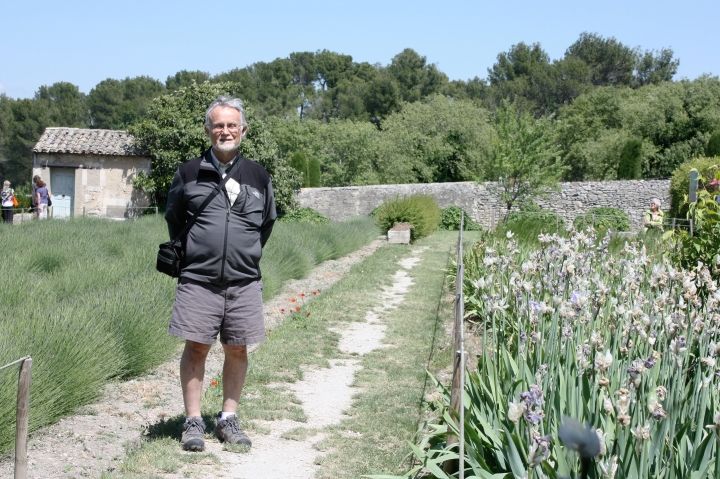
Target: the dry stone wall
pixel 482 200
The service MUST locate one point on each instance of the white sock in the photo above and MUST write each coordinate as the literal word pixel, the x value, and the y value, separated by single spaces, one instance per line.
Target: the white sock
pixel 224 415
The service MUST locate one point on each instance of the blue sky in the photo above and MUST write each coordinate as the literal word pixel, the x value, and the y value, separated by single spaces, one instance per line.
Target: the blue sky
pixel 85 42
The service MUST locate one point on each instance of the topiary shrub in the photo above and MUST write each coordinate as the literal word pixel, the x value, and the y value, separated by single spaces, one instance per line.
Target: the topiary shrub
pixel 305 215
pixel 680 182
pixel 630 165
pixel 421 211
pixel 713 146
pixel 450 219
pixel 313 177
pixel 603 219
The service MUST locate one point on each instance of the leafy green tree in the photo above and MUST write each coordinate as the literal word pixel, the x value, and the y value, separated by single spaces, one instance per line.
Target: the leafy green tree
pixel 522 75
pixel 185 78
pixel 173 132
pixel 416 78
pixel 610 62
pixel 382 97
pixel 331 68
pixel 526 160
pixel 348 153
pixel 525 76
pixel 27 121
pixel 115 104
pixel 65 103
pixel 522 60
pixel 655 67
pixel 5 122
pixel 439 139
pixel 473 89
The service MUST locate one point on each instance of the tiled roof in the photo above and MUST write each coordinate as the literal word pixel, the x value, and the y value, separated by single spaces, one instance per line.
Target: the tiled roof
pixel 81 141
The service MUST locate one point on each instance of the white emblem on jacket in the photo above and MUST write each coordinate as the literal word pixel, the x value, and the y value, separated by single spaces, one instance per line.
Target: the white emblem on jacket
pixel 233 190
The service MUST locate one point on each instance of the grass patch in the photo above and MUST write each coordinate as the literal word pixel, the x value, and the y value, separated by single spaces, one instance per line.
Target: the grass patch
pixel 298 434
pixel 154 459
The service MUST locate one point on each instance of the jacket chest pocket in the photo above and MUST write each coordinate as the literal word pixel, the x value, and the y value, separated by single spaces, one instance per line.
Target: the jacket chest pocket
pixel 254 205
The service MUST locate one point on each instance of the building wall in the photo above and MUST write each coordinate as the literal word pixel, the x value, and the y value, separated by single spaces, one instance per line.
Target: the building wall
pixel 103 184
pixel 482 200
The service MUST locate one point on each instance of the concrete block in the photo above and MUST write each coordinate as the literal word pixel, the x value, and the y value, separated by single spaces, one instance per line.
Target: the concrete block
pixel 399 234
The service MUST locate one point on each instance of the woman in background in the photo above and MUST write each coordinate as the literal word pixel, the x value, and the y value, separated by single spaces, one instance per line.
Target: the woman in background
pixel 654 216
pixel 42 195
pixel 7 196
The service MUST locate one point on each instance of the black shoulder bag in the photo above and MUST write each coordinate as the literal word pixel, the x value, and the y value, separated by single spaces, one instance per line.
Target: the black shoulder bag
pixel 170 253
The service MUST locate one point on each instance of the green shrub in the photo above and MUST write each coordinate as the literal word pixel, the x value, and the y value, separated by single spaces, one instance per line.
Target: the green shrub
pixel 713 146
pixel 630 165
pixel 703 246
pixel 313 176
pixel 680 182
pixel 305 215
pixel 421 211
pixel 309 168
pixel 603 219
pixel 23 194
pixel 530 222
pixel 450 219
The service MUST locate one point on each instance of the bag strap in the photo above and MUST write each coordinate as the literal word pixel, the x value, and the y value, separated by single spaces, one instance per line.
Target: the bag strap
pixel 207 201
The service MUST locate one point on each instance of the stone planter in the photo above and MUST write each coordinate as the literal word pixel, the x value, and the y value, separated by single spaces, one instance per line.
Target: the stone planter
pixel 399 233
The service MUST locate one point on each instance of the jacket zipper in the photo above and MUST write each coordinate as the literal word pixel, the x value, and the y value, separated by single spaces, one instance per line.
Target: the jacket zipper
pixel 227 224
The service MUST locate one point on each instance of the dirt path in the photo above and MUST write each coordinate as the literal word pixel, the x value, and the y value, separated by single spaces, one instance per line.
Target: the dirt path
pixel 93 441
pixel 276 457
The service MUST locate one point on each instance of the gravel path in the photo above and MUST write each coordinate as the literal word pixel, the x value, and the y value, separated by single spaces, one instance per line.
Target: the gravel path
pixel 276 457
pixel 94 441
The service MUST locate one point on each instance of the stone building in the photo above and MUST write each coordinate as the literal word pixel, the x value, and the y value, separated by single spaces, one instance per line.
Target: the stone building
pixel 90 172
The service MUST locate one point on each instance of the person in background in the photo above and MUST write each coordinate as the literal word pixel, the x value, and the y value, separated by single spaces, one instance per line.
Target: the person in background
pixel 653 219
pixel 33 210
pixel 42 196
pixel 8 205
pixel 219 292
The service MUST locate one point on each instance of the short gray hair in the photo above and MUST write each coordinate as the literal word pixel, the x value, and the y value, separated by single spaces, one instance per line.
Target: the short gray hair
pixel 227 102
pixel 656 202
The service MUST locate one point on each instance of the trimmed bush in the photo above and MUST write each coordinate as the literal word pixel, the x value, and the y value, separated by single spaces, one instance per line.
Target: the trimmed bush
pixel 713 146
pixel 421 211
pixel 630 165
pixel 305 215
pixel 450 219
pixel 680 182
pixel 603 219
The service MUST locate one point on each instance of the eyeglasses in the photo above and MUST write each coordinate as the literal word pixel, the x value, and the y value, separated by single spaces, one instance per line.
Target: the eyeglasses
pixel 231 127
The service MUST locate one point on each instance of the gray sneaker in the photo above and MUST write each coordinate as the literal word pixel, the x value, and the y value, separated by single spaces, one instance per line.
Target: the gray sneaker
pixel 192 435
pixel 228 430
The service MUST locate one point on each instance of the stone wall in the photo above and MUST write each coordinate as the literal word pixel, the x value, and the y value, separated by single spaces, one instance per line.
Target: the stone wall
pixel 482 200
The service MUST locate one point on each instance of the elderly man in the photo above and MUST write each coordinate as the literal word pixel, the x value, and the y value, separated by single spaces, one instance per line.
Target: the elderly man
pixel 219 291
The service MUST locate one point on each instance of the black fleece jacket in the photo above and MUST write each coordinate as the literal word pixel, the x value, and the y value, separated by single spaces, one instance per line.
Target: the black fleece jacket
pixel 224 246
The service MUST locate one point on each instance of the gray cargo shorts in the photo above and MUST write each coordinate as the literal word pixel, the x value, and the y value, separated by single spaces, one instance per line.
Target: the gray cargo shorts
pixel 202 311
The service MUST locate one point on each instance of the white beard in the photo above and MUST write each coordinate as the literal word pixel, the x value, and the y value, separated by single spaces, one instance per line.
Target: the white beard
pixel 227 146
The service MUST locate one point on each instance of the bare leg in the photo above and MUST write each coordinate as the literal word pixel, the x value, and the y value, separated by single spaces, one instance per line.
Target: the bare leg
pixel 192 373
pixel 234 371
